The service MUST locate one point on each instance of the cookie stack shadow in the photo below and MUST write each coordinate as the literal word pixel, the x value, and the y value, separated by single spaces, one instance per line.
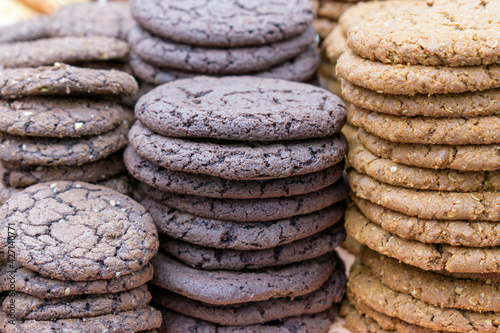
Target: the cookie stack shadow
pixel 244 179
pixel 424 169
pixel 63 123
pixel 81 264
pixel 222 38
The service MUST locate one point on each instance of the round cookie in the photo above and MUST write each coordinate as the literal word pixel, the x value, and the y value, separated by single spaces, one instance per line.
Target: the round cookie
pixel 466 105
pixel 177 323
pixel 32 151
pixel 407 34
pixel 112 19
pixel 233 287
pixel 31 307
pixel 190 58
pixel 241 108
pixel 32 283
pixel 215 187
pixel 432 288
pixel 239 235
pixel 50 117
pixel 367 289
pixel 63 79
pixel 333 9
pixel 462 158
pixel 457 233
pixel 18 176
pixel 426 130
pixel 335 44
pixel 416 79
pixel 226 23
pixel 396 174
pixel 70 50
pixel 127 321
pixel 238 161
pixel 437 257
pixel 257 312
pixel 228 259
pixel 91 233
pixel 251 210
pixel 26 30
pixel 476 206
pixel 323 27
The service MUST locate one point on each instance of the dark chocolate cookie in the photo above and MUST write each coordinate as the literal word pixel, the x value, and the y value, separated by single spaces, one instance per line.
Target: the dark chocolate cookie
pixel 239 161
pixel 63 79
pixel 59 117
pixel 219 61
pixel 30 29
pixel 252 210
pixel 80 232
pixel 241 108
pixel 34 151
pixel 226 23
pixel 177 323
pixel 232 287
pixel 240 235
pixel 32 283
pixel 228 259
pixel 31 307
pixel 257 312
pixel 127 321
pixel 112 19
pixel 69 50
pixel 215 187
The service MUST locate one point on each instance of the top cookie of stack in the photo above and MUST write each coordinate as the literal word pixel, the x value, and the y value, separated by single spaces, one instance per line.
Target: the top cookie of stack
pixel 423 80
pixel 182 40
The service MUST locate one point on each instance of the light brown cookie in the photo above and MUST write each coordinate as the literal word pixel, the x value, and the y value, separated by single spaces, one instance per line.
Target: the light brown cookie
pixel 463 158
pixel 335 44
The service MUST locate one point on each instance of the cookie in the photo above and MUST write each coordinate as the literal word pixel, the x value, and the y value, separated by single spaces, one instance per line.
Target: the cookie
pixel 462 158
pixel 257 312
pixel 292 111
pixel 63 79
pixel 457 233
pixel 232 287
pixel 127 321
pixel 333 9
pixel 32 283
pixel 112 19
pixel 437 257
pixel 475 206
pixel 416 79
pixel 19 176
pixel 224 24
pixel 31 307
pixel 238 160
pixel 228 259
pixel 26 30
pixel 433 288
pixel 465 36
pixel 33 151
pixel 251 210
pixel 426 130
pixel 396 174
pixel 335 44
pixel 166 53
pixel 466 105
pixel 121 184
pixel 300 69
pixel 208 186
pixel 50 117
pixel 323 27
pixel 91 233
pixel 369 290
pixel 239 235
pixel 177 323
pixel 69 50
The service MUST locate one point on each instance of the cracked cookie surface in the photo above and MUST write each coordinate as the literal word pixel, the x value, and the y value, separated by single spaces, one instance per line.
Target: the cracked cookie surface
pixel 80 232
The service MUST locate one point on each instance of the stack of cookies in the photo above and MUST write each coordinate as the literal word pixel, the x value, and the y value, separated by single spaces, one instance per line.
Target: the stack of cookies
pixel 81 261
pixel 243 178
pixel 63 123
pixel 329 13
pixel 423 81
pixel 221 38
